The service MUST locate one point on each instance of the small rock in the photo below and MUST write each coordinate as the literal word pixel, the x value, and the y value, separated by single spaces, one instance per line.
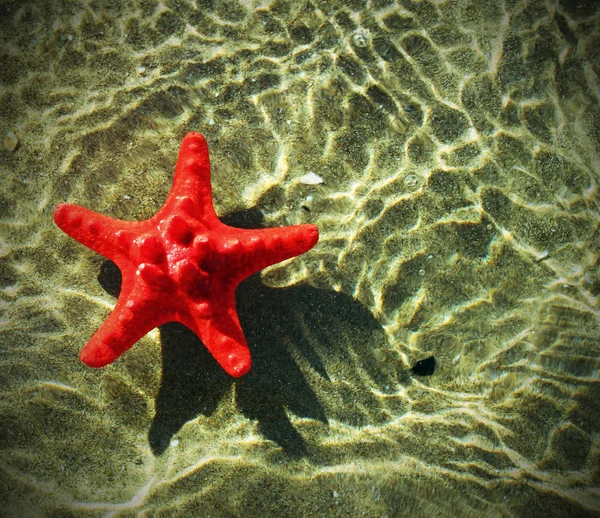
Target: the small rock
pixel 411 181
pixel 307 205
pixel 424 367
pixel 11 141
pixel 361 37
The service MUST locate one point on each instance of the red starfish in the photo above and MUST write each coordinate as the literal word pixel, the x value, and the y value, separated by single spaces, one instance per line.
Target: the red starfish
pixel 183 264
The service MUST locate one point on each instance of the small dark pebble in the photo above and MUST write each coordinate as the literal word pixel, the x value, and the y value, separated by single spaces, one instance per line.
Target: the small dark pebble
pixel 424 367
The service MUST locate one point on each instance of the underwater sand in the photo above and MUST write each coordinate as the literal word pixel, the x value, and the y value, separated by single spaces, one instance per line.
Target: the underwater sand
pixel 459 147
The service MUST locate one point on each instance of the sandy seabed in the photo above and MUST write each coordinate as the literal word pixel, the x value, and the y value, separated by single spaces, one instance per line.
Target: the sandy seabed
pixel 459 147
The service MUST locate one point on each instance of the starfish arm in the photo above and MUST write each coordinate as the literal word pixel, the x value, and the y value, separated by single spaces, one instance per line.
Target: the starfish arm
pixel 265 247
pixel 128 322
pixel 217 324
pixel 191 188
pixel 100 233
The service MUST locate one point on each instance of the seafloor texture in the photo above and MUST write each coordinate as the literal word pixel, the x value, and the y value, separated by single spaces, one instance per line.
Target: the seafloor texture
pixel 458 143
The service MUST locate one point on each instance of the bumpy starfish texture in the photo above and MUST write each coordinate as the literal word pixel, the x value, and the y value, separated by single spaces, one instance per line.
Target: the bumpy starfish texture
pixel 182 265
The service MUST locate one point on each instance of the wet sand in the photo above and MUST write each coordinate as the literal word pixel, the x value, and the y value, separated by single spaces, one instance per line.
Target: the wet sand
pixel 458 143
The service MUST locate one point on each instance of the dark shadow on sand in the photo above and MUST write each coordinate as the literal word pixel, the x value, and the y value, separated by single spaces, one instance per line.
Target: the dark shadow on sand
pixel 193 383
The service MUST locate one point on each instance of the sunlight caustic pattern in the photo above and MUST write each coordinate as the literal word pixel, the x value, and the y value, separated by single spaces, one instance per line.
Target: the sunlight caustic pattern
pixel 458 148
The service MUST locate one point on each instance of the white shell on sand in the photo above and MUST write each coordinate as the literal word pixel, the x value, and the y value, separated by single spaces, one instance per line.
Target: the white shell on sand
pixel 311 179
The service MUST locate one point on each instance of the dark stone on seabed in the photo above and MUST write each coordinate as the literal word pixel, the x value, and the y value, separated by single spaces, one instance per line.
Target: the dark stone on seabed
pixel 424 367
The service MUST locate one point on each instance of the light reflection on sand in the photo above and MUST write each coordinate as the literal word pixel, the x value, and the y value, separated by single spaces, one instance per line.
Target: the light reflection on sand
pixel 459 218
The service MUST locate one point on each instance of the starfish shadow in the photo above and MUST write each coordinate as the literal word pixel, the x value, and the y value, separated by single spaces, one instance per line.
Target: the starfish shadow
pixel 193 383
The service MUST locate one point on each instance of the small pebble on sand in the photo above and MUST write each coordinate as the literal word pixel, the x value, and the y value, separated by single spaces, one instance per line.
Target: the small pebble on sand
pixel 11 141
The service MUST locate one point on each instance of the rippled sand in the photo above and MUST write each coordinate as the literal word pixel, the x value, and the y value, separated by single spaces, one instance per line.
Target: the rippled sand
pixel 459 146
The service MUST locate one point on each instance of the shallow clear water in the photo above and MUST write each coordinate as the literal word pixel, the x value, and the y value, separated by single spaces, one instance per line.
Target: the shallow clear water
pixel 459 147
